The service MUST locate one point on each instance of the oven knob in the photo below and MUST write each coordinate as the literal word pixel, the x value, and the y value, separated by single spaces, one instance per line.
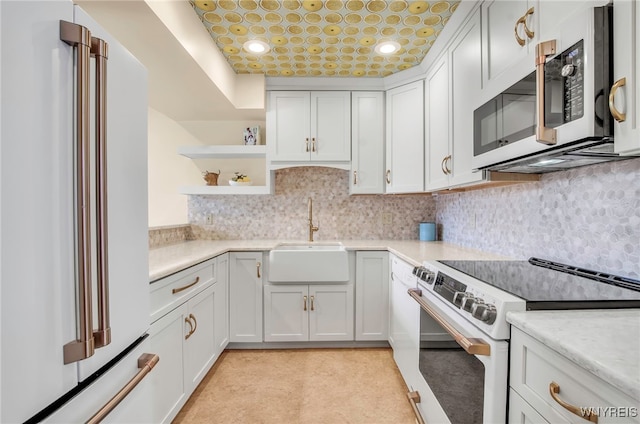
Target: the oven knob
pixel 426 276
pixel 458 298
pixel 484 312
pixel 468 302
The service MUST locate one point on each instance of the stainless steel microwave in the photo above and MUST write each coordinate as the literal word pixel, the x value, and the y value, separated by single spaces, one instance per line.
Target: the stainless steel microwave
pixel 558 116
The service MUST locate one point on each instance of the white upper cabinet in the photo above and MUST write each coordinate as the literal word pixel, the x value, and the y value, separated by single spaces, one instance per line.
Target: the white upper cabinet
pixel 304 127
pixel 405 139
pixel 452 88
pixel 367 142
pixel 508 41
pixel 626 74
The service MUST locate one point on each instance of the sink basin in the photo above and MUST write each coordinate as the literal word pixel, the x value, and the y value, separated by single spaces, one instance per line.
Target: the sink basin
pixel 308 263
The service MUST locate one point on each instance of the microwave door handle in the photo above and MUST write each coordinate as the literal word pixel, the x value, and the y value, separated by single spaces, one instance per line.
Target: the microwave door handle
pixel 472 346
pixel 544 135
pixel 83 347
pixel 99 50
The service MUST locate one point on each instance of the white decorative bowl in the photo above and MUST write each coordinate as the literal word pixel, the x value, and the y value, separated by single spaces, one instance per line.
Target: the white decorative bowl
pixel 240 183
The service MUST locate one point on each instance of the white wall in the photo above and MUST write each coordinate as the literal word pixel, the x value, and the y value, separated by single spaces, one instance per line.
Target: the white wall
pixel 168 170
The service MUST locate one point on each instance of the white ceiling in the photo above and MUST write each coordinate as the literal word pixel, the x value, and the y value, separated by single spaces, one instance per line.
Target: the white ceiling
pixel 178 86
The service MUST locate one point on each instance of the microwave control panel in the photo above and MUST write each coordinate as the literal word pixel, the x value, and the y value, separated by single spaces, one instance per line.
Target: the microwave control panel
pixel 567 67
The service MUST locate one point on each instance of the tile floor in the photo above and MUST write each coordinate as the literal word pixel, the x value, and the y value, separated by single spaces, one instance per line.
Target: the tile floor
pixel 323 386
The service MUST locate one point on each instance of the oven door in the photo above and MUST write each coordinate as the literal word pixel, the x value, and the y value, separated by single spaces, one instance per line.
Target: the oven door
pixel 463 373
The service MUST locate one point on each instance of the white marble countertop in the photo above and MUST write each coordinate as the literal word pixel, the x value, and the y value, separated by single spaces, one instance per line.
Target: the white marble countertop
pixel 604 342
pixel 169 259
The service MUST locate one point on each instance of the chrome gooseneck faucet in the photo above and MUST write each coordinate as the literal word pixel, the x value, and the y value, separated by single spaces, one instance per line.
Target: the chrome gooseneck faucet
pixel 312 228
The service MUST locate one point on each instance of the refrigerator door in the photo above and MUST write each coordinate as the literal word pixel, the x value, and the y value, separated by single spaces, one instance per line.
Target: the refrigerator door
pixel 36 218
pixel 127 197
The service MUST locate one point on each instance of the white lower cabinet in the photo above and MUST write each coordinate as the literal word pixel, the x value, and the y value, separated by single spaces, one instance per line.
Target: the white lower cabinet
pixel 372 296
pixel 190 337
pixel 537 371
pixel 314 312
pixel 245 296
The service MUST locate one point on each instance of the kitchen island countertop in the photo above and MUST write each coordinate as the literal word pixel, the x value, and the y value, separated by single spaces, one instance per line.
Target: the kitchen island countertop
pixel 170 259
pixel 604 342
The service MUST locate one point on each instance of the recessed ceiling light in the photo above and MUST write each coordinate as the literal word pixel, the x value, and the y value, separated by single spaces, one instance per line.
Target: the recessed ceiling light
pixel 256 46
pixel 387 47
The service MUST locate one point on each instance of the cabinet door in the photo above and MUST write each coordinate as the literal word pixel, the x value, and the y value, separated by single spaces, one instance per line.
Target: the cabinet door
pixel 501 51
pixel 245 297
pixel 167 379
pixel 437 121
pixel 520 412
pixel 330 126
pixel 288 136
pixel 626 24
pixel 286 313
pixel 200 339
pixel 465 63
pixel 405 139
pixel 367 143
pixel 221 304
pixel 372 296
pixel 330 312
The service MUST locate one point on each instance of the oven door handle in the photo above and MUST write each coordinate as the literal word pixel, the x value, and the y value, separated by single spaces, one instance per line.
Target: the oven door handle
pixel 472 346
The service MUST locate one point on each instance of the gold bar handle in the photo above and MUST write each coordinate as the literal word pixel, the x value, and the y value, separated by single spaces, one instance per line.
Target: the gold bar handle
pixel 388 176
pixel 179 289
pixel 146 362
pixel 617 115
pixel 313 144
pixel 544 135
pixel 530 34
pixel 306 142
pixel 355 177
pixel 471 345
pixel 99 50
pixel 554 390
pixel 83 347
pixel 304 306
pixel 191 329
pixel 414 400
pixel 312 299
pixel 258 269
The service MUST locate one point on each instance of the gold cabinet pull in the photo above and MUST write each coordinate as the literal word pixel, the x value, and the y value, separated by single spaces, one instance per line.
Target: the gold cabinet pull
pixel 414 400
pixel 312 299
pixel 554 390
pixel 530 34
pixel 179 289
pixel 191 329
pixel 258 269
pixel 304 306
pixel 519 40
pixel 617 115
pixel 544 135
pixel 355 177
pixel 313 144
pixel 471 346
pixel 146 362
pixel 195 322
pixel 388 176
pixel 306 142
pixel 446 168
pixel 444 171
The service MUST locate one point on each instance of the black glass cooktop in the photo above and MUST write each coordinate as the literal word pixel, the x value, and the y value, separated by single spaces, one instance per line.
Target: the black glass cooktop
pixel 548 285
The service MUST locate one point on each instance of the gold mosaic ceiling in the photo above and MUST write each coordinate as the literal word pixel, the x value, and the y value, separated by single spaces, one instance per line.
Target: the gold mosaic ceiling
pixel 324 38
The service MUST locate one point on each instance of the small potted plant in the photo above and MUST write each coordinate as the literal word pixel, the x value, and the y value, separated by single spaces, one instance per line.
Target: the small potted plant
pixel 240 179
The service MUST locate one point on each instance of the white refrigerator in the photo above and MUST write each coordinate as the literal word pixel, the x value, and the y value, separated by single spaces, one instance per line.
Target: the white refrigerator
pixel 73 220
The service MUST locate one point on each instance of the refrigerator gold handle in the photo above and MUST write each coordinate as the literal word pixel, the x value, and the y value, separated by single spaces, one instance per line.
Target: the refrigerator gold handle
pixel 146 362
pixel 83 347
pixel 99 50
pixel 544 135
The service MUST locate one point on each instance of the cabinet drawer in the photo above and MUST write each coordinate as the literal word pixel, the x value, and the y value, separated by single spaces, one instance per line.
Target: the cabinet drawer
pixel 534 367
pixel 171 291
